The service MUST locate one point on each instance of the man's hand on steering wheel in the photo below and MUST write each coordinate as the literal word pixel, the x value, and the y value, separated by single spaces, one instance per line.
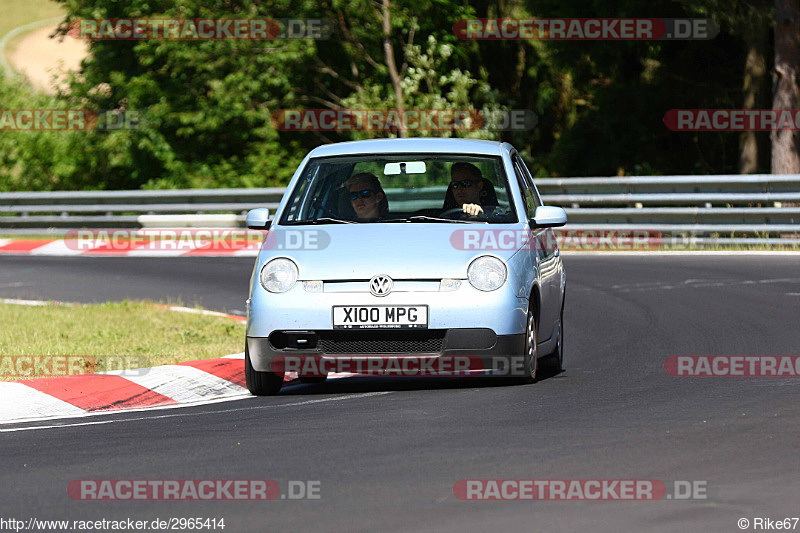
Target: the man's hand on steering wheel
pixel 472 209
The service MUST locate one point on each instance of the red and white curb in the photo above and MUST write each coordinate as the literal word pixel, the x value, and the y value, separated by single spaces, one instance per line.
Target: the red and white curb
pixel 190 383
pixel 60 248
pixel 161 387
pixel 205 312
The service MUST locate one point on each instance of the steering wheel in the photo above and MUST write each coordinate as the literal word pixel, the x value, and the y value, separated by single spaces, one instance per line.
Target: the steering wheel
pixel 459 210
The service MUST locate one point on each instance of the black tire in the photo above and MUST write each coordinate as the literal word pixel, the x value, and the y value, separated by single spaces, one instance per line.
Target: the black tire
pixel 260 383
pixel 530 352
pixel 313 379
pixel 554 362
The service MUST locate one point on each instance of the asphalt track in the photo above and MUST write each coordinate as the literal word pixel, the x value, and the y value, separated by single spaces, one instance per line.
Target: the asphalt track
pixel 388 452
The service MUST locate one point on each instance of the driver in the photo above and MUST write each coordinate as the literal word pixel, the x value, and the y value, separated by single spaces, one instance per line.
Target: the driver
pixel 367 196
pixel 466 184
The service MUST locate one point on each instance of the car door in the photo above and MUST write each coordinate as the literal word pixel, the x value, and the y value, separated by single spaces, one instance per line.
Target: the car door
pixel 548 257
pixel 533 249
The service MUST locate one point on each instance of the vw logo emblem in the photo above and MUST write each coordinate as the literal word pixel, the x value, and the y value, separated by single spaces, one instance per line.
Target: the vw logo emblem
pixel 381 285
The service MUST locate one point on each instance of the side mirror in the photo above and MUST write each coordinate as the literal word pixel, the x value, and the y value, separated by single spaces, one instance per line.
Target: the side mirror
pixel 258 219
pixel 547 216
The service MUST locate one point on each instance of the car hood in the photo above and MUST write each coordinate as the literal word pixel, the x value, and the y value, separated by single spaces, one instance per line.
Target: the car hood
pixel 399 250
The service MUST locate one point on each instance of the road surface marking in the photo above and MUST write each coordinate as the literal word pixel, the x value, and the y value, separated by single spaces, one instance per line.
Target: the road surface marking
pixel 204 413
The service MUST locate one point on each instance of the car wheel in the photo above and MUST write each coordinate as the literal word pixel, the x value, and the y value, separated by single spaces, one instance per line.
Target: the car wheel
pixel 260 383
pixel 554 362
pixel 313 379
pixel 531 353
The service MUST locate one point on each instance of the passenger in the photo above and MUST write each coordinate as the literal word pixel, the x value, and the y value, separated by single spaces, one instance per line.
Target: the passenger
pixel 367 196
pixel 469 190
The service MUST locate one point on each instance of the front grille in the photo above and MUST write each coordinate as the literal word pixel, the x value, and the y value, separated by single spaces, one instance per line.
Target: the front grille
pixel 400 285
pixel 377 342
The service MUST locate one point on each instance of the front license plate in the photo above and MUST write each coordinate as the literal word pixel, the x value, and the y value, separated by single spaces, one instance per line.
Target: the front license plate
pixel 380 316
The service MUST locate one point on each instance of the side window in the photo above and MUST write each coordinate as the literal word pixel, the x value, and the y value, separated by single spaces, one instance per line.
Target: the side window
pixel 528 194
pixel 522 186
pixel 534 190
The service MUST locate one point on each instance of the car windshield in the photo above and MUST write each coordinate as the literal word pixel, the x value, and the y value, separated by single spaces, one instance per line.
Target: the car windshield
pixel 440 188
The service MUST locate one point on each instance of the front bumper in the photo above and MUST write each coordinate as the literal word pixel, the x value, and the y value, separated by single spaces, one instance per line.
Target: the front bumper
pixel 478 344
pixel 503 311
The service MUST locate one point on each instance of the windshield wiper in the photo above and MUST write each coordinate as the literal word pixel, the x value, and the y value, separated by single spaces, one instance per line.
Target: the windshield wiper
pixel 323 220
pixel 426 218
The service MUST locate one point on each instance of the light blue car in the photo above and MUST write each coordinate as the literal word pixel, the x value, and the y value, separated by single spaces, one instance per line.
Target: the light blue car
pixel 395 249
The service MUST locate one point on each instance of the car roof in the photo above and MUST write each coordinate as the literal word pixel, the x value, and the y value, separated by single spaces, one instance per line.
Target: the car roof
pixel 417 144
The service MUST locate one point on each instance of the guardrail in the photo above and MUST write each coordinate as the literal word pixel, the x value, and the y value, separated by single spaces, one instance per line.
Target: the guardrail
pixel 22 212
pixel 728 206
pixel 674 184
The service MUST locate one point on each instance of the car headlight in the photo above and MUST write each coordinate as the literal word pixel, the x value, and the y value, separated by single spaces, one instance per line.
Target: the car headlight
pixel 279 275
pixel 487 273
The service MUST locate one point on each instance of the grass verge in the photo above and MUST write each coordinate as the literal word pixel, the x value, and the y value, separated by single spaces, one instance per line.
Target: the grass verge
pixel 20 12
pixel 110 336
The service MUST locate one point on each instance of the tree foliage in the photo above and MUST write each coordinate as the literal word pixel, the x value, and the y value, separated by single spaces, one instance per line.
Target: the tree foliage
pixel 208 104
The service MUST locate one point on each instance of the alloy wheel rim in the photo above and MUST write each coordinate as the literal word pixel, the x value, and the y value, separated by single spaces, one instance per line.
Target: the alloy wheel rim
pixel 560 342
pixel 531 344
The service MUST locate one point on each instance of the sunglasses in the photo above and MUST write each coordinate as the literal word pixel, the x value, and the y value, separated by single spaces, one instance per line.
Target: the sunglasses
pixel 366 193
pixel 462 183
